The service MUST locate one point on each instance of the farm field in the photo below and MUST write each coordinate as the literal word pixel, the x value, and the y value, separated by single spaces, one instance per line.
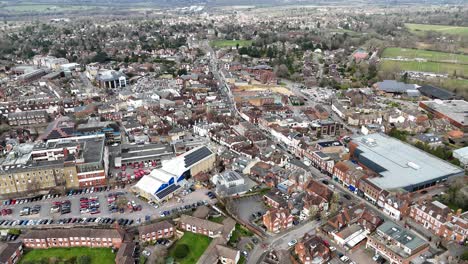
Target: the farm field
pixel 420 29
pixel 230 43
pixel 435 56
pixel 67 255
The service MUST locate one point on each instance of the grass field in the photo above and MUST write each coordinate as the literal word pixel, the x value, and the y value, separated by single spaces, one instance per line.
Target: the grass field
pixel 435 56
pixel 197 245
pixel 98 255
pixel 230 43
pixel 420 29
pixel 436 67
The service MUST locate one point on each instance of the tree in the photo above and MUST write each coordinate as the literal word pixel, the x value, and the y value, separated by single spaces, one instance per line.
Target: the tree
pixel 181 72
pixel 83 260
pixel 181 251
pixel 282 71
pixel 313 212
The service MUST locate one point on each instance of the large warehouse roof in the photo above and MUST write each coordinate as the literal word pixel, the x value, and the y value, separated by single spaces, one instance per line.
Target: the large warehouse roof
pixel 399 164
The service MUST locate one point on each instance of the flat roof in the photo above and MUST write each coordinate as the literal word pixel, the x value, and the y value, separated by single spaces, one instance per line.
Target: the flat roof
pixel 402 235
pixel 454 109
pixel 399 164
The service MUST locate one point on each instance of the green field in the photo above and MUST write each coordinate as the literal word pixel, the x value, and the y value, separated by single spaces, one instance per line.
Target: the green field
pixel 61 255
pixel 230 43
pixel 421 29
pixel 434 56
pixel 196 243
pixel 436 67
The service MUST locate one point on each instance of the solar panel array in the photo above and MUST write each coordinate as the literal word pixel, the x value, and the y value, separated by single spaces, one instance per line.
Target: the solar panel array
pixel 196 156
pixel 167 191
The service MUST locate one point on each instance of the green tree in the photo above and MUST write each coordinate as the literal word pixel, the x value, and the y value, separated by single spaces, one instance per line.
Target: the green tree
pixel 83 260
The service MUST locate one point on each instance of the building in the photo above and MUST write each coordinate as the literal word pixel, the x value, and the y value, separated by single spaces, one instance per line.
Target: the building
pixel 72 162
pixel 312 250
pixel 396 244
pixel 200 226
pixel 390 158
pixel 73 237
pixel 274 198
pixel 126 253
pixel 441 221
pixel 434 92
pixel 462 155
pixel 156 231
pixel 10 253
pixel 452 110
pixel 351 226
pixel 26 118
pixel 87 155
pixel 111 79
pixel 277 220
pixel 227 255
pixel 392 86
pixel 229 183
pixel 138 153
pixel 349 174
pixel 164 181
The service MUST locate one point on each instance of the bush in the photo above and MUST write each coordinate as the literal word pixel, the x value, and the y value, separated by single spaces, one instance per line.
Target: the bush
pixel 84 260
pixel 181 251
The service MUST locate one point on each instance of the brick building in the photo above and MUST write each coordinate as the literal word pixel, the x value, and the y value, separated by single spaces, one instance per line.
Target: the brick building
pixel 74 237
pixel 156 231
pixel 277 220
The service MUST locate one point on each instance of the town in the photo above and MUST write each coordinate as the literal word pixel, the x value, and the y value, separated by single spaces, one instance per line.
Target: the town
pixel 233 134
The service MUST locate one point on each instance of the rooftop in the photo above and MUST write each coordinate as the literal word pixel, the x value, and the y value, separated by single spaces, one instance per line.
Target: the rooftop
pixel 454 109
pixel 400 235
pixel 399 164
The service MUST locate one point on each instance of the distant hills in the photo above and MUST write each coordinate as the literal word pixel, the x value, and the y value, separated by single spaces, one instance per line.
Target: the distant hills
pixel 176 3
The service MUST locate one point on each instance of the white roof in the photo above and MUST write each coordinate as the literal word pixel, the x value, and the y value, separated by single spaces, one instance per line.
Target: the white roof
pixel 148 184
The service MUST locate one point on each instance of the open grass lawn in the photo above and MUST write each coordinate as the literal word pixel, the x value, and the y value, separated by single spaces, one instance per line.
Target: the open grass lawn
pixel 420 29
pixel 98 255
pixel 437 67
pixel 230 43
pixel 196 243
pixel 434 56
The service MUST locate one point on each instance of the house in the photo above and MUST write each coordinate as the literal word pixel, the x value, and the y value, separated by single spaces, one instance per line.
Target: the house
pixel 274 199
pixel 440 220
pixel 125 253
pixel 349 174
pixel 351 226
pixel 74 237
pixel 25 118
pixel 10 253
pixel 277 220
pixel 156 231
pixel 312 250
pixel 227 255
pixel 395 243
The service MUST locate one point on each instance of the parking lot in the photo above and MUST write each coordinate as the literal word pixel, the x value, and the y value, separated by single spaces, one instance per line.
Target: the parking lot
pixel 247 207
pixel 73 208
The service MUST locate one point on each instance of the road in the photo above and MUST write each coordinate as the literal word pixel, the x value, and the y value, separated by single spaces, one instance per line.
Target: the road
pixel 281 241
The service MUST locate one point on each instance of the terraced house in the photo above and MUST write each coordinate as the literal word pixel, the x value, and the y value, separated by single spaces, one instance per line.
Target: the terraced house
pixel 441 220
pixel 76 237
